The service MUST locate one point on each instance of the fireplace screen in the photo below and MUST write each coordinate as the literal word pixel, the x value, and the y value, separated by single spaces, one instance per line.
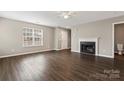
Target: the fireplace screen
pixel 87 47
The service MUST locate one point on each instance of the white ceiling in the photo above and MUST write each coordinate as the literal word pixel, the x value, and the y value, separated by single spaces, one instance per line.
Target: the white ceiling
pixel 52 18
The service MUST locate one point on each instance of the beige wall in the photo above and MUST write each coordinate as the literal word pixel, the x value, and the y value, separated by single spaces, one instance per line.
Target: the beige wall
pixel 11 37
pixel 101 29
pixel 119 35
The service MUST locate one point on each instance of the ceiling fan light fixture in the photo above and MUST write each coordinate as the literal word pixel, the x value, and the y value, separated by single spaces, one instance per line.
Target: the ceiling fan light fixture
pixel 66 16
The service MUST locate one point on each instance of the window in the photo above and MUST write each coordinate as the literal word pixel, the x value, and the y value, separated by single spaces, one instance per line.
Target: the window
pixel 32 37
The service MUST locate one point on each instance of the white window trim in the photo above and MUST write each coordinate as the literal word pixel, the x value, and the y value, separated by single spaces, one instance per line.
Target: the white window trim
pixel 33 43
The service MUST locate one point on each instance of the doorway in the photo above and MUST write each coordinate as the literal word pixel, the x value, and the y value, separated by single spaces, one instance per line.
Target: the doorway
pixel 119 41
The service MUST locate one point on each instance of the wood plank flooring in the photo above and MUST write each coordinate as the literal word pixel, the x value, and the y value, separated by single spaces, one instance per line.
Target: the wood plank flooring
pixel 59 66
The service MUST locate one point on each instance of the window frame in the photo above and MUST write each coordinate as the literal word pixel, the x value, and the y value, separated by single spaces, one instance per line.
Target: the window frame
pixel 33 37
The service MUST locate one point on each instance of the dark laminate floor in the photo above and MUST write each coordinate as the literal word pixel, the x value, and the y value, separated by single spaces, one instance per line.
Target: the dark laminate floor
pixel 119 57
pixel 62 65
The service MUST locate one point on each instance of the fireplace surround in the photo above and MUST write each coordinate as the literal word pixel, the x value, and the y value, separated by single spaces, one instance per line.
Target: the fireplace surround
pixel 90 40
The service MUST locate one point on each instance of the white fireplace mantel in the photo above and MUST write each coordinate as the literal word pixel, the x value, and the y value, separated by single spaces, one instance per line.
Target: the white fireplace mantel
pixel 96 40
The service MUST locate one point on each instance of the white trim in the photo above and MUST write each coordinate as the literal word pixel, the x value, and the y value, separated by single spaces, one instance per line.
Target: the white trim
pixel 120 22
pixel 113 34
pixel 96 40
pixel 33 36
pixel 75 51
pixel 25 53
pixel 113 46
pixel 105 56
pixel 61 49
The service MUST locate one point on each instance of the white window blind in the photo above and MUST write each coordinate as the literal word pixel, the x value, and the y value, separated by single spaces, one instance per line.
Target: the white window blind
pixel 32 37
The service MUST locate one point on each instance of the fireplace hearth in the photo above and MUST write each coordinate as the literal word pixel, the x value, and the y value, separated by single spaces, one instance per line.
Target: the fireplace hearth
pixel 87 47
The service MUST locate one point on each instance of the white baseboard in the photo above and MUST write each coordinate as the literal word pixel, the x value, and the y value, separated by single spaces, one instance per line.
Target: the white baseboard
pixel 96 55
pixel 75 51
pixel 61 49
pixel 105 56
pixel 25 53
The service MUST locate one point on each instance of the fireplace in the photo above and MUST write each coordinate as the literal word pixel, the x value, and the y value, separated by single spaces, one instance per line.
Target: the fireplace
pixel 87 47
pixel 92 45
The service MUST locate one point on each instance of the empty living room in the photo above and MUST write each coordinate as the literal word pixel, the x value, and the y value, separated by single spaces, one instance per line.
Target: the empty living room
pixel 61 45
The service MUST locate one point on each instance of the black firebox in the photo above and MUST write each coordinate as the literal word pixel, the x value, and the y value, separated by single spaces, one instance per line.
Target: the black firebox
pixel 87 47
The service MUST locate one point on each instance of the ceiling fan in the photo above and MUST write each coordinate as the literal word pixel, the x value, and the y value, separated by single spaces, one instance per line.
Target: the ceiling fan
pixel 67 14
